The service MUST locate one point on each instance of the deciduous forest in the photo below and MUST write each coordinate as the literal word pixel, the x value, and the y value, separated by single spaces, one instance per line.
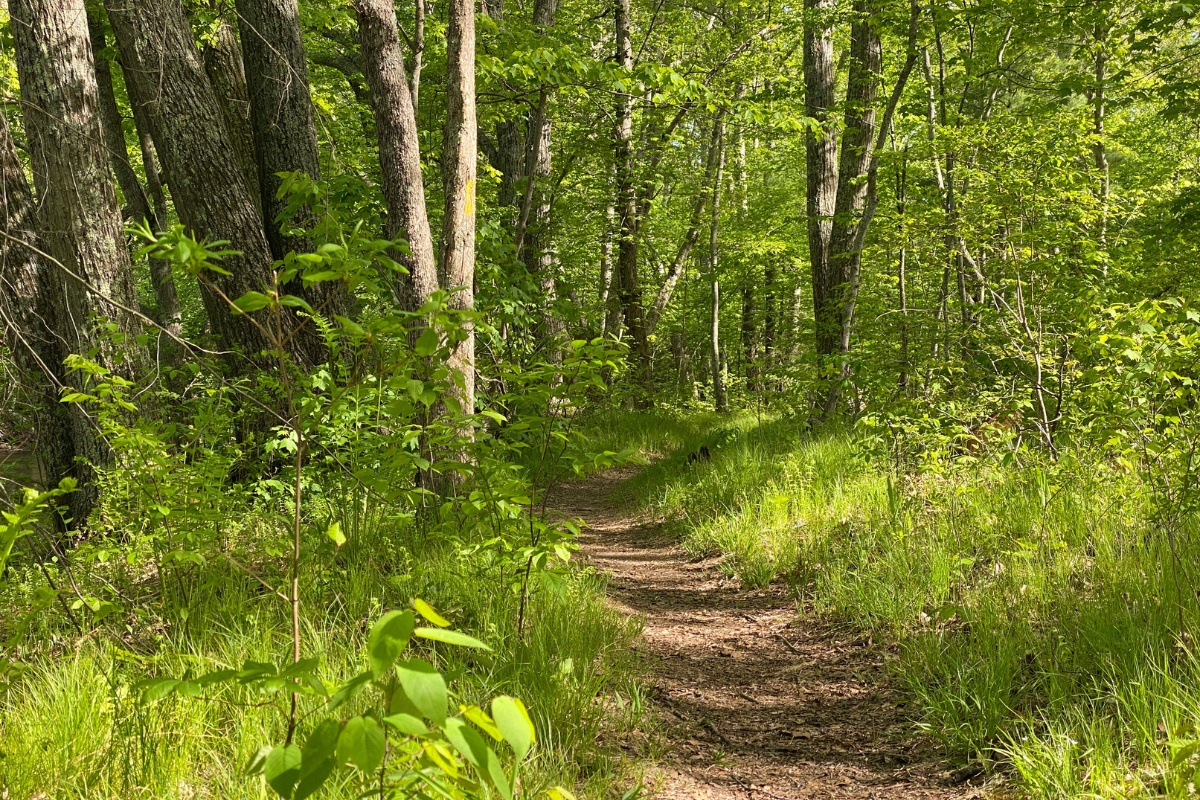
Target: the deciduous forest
pixel 599 399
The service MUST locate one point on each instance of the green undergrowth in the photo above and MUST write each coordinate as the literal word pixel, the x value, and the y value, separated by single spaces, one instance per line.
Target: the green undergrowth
pixel 1036 614
pixel 71 726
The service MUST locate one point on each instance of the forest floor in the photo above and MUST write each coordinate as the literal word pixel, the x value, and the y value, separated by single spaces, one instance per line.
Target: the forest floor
pixel 756 700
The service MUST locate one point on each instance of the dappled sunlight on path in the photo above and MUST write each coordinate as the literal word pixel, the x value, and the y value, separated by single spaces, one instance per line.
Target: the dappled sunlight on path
pixel 755 701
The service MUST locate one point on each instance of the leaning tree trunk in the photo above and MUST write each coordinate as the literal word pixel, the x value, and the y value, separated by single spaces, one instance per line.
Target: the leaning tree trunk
pixel 81 229
pixel 165 76
pixel 822 169
pixel 166 298
pixel 399 151
pixel 285 137
pixel 27 282
pixel 627 210
pixel 689 239
pixel 460 151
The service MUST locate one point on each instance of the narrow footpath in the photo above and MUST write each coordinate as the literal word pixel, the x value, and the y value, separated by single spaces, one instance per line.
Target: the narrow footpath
pixel 756 701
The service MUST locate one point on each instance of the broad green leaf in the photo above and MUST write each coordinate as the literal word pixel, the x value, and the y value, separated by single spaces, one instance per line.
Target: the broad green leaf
pixel 407 724
pixel 282 769
pixel 361 743
pixel 427 343
pixel 425 687
pixel 251 301
pixel 348 690
pixel 451 637
pixel 258 760
pixel 389 636
pixel 426 611
pixel 512 719
pixel 335 534
pixel 156 689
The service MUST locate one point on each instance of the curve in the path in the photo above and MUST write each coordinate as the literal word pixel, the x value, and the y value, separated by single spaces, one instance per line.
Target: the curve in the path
pixel 756 701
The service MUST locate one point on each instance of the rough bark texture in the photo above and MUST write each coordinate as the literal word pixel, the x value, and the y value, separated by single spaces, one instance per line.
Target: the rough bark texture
pixel 822 168
pixel 627 208
pixel 281 113
pixel 399 151
pixel 26 311
pixel 285 137
pixel 223 63
pixel 460 154
pixel 165 76
pixel 78 217
pixel 137 205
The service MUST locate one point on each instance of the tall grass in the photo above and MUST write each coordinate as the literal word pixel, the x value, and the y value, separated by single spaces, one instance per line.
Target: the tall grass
pixel 1036 612
pixel 72 728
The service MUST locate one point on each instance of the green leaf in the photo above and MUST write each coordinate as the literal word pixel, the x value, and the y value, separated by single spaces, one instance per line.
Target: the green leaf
pixel 512 719
pixel 344 693
pixel 258 760
pixel 317 762
pixel 361 744
pixel 282 769
pixel 389 636
pixel 427 342
pixel 251 301
pixel 156 689
pixel 426 611
pixel 466 740
pixel 425 687
pixel 335 534
pixel 407 724
pixel 451 637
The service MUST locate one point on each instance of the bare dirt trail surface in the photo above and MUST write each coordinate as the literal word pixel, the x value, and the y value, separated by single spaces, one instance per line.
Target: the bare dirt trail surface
pixel 756 702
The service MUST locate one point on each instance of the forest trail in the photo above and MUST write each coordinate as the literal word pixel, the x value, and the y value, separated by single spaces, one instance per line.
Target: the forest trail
pixel 756 703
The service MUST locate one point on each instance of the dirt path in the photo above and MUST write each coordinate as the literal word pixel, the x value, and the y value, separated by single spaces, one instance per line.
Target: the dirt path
pixel 756 702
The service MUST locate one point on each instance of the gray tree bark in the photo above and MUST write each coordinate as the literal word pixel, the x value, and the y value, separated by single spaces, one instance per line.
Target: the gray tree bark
pixel 138 206
pixel 399 151
pixel 224 65
pixel 78 217
pixel 460 154
pixel 627 207
pixel 285 136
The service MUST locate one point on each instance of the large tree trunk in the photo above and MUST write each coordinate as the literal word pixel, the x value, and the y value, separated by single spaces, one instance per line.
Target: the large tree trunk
pixel 166 298
pixel 460 151
pixel 627 210
pixel 822 169
pixel 27 284
pixel 399 151
pixel 285 137
pixel 224 65
pixel 165 76
pixel 81 229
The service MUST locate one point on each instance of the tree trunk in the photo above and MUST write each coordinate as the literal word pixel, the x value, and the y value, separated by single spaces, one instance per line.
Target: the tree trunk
pixel 161 279
pixel 627 210
pixel 165 76
pixel 166 298
pixel 821 160
pixel 691 237
pixel 285 138
pixel 27 291
pixel 460 151
pixel 224 65
pixel 81 230
pixel 399 151
pixel 720 397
